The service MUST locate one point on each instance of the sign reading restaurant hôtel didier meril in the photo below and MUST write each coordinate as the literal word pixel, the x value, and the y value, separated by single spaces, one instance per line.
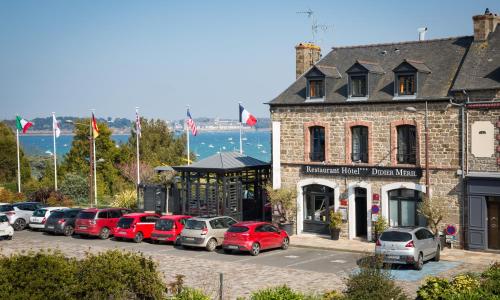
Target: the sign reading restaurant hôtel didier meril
pixel 332 170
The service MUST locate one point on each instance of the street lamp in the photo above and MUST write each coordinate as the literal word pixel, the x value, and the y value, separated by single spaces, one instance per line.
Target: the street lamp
pixel 426 125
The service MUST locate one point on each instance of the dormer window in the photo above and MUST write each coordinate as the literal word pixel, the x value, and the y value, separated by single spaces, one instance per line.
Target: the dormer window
pixel 358 85
pixel 363 75
pixel 317 80
pixel 316 88
pixel 408 77
pixel 406 84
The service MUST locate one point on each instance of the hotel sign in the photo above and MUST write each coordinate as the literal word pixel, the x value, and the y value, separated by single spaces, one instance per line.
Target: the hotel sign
pixel 331 170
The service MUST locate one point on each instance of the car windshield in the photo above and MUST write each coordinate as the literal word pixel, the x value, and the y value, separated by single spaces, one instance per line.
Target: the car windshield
pixel 395 236
pixel 163 224
pixel 39 213
pixel 57 214
pixel 6 207
pixel 4 218
pixel 86 215
pixel 125 222
pixel 195 224
pixel 237 229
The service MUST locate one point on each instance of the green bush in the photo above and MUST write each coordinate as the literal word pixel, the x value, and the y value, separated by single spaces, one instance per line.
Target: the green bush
pixel 433 288
pixel 279 293
pixel 372 283
pixel 491 279
pixel 190 294
pixel 125 199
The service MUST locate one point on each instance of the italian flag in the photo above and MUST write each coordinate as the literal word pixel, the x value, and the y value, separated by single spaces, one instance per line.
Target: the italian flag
pixel 23 124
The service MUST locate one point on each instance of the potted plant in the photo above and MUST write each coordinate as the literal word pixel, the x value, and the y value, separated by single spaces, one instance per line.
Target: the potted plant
pixel 335 223
pixel 380 225
pixel 283 205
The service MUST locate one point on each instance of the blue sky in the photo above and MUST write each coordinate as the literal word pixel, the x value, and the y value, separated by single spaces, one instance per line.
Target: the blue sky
pixel 71 56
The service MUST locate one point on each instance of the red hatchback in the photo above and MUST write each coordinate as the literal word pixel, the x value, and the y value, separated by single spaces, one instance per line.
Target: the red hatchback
pixel 98 222
pixel 254 236
pixel 136 226
pixel 168 228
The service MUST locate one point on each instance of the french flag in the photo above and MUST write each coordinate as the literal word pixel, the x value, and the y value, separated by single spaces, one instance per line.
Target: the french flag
pixel 247 117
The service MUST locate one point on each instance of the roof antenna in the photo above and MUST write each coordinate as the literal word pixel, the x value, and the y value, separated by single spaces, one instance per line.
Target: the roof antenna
pixel 315 27
pixel 421 33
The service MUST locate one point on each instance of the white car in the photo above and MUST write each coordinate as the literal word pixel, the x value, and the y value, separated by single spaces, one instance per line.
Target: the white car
pixel 37 220
pixel 6 231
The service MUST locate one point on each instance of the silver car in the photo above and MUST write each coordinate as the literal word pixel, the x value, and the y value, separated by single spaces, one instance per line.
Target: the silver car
pixel 19 214
pixel 207 232
pixel 408 245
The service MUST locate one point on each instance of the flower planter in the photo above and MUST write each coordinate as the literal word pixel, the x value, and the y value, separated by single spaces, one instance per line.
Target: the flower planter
pixel 288 227
pixel 335 233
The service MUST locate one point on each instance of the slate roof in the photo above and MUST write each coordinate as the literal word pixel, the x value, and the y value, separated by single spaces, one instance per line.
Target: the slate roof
pixel 371 66
pixel 441 57
pixel 224 161
pixel 481 68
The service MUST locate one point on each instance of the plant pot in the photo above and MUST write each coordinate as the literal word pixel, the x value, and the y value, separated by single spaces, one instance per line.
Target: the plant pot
pixel 288 227
pixel 335 233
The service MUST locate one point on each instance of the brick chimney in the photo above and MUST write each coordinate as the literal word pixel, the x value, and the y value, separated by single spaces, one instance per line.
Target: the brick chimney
pixel 306 55
pixel 484 24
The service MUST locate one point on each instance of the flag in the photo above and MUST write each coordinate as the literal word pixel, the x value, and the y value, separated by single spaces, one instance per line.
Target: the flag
pixel 23 124
pixel 191 124
pixel 137 124
pixel 95 129
pixel 247 117
pixel 55 126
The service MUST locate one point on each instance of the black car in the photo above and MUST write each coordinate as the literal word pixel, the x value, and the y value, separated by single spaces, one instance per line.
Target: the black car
pixel 62 221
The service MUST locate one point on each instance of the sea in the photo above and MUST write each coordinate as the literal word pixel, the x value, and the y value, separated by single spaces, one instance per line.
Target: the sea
pixel 256 143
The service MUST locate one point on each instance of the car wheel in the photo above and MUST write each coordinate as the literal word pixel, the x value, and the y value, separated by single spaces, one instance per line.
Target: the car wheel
pixel 19 224
pixel 419 264
pixel 437 257
pixel 211 245
pixel 68 230
pixel 255 249
pixel 138 237
pixel 228 251
pixel 9 237
pixel 104 234
pixel 117 239
pixel 285 243
pixel 177 241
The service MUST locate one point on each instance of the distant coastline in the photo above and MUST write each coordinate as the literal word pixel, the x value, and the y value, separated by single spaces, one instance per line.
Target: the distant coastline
pixel 127 132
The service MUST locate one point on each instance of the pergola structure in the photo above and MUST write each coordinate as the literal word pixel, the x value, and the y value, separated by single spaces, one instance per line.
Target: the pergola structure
pixel 227 183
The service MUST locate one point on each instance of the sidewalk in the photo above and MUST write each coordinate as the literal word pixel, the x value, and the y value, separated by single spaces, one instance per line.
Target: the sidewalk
pixel 359 246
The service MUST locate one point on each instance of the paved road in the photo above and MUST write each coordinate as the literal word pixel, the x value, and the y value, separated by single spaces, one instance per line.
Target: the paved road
pixel 302 269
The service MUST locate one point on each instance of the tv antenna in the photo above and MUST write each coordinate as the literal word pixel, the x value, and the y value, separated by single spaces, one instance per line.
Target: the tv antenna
pixel 315 27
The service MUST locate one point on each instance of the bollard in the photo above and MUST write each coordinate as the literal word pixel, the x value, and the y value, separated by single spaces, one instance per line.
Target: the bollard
pixel 221 285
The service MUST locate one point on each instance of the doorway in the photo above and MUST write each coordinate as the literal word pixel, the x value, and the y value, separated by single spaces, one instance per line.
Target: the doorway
pixel 493 210
pixel 361 212
pixel 318 201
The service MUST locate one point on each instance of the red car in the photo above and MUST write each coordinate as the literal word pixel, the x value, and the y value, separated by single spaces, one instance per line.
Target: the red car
pixel 98 222
pixel 136 226
pixel 168 228
pixel 254 236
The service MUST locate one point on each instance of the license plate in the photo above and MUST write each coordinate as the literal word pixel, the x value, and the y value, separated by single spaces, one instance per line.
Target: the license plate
pixel 83 227
pixel 161 238
pixel 189 238
pixel 122 232
pixel 232 247
pixel 50 227
pixel 395 257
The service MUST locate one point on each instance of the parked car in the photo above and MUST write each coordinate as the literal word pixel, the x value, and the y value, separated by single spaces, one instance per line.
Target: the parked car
pixel 6 231
pixel 62 221
pixel 408 245
pixel 19 214
pixel 253 237
pixel 136 226
pixel 39 217
pixel 98 222
pixel 207 232
pixel 168 229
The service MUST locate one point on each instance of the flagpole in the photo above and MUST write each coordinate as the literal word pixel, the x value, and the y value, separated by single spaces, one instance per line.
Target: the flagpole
pixel 138 119
pixel 187 135
pixel 91 176
pixel 241 141
pixel 95 172
pixel 54 122
pixel 18 164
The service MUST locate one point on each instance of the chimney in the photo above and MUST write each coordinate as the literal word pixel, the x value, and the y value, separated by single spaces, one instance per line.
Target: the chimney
pixel 484 24
pixel 421 33
pixel 306 55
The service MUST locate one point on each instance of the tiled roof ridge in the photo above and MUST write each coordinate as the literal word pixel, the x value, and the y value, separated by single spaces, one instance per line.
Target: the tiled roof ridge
pixel 414 61
pixel 367 62
pixel 402 43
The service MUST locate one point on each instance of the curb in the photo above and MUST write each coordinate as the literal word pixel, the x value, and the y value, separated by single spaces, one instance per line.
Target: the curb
pixel 330 248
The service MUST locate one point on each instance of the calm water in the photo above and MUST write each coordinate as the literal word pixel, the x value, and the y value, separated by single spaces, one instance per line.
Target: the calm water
pixel 255 143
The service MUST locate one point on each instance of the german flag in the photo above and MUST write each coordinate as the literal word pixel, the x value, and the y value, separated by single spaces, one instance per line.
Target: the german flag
pixel 95 129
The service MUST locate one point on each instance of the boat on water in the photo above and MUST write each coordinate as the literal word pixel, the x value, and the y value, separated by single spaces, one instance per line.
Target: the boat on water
pixel 244 139
pixel 229 138
pixel 210 146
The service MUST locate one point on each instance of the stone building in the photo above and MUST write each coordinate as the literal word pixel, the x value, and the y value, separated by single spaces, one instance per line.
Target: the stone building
pixel 350 133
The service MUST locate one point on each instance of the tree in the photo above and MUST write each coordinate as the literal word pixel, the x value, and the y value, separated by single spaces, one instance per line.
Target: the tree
pixel 8 157
pixel 283 202
pixel 76 187
pixel 129 171
pixel 107 156
pixel 434 211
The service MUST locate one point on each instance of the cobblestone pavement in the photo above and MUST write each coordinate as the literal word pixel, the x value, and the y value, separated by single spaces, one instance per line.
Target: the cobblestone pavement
pixel 307 270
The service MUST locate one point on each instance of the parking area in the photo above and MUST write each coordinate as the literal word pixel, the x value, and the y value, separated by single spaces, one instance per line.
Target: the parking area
pixel 305 269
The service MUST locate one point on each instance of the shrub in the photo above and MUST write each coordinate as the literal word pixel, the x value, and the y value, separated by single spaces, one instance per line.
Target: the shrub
pixel 190 294
pixel 332 295
pixel 124 275
pixel 433 288
pixel 40 275
pixel 372 283
pixel 491 279
pixel 126 199
pixel 279 293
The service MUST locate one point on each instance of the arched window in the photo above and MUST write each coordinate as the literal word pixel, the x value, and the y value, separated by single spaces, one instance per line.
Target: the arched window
pixel 359 135
pixel 317 134
pixel 403 208
pixel 407 144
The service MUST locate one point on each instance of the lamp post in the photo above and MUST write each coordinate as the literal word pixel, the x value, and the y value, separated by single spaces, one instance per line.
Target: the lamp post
pixel 426 125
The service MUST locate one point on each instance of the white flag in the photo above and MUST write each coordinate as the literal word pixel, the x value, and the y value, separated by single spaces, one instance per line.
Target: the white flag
pixel 55 126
